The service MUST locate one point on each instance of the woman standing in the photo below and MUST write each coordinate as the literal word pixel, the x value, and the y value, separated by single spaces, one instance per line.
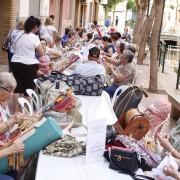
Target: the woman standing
pixel 24 60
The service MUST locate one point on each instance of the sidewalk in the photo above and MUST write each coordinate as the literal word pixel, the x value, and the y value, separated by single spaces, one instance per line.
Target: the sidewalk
pixel 3 68
pixel 166 83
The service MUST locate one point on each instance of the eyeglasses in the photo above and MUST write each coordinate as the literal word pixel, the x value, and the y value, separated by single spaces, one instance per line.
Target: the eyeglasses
pixel 5 89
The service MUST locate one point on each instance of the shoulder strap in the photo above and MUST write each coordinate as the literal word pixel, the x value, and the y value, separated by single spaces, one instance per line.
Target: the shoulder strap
pixel 19 38
pixel 142 177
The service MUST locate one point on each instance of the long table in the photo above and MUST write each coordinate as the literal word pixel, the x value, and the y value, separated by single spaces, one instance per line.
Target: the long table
pixel 57 168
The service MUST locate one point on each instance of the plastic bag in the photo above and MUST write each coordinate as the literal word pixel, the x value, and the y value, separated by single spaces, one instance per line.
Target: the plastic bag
pixel 158 172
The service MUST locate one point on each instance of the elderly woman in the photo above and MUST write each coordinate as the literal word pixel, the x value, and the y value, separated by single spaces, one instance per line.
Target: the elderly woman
pixel 122 74
pixel 115 58
pixel 7 86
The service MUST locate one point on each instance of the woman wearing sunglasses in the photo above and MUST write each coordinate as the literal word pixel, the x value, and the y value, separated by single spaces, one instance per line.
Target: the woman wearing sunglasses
pixel 7 86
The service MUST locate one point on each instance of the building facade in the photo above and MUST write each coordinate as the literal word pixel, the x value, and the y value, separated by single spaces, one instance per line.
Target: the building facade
pixel 8 21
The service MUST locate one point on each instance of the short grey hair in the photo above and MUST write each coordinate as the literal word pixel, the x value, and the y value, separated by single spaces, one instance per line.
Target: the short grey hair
pixel 129 55
pixel 7 80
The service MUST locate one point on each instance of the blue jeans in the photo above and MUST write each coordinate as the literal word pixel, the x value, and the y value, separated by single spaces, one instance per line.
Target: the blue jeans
pixel 111 90
pixel 5 177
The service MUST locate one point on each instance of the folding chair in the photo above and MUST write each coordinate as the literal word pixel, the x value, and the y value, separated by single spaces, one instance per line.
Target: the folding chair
pixel 35 101
pixel 25 106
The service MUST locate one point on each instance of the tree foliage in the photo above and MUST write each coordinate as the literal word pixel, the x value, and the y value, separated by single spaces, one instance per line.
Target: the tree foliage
pixel 111 4
pixel 131 5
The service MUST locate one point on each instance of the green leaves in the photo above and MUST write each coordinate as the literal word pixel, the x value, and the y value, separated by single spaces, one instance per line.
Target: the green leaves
pixel 131 5
pixel 112 4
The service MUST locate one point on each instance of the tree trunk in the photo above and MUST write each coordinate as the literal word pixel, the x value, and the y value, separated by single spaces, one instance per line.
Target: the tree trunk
pixel 140 26
pixel 136 26
pixel 145 33
pixel 141 9
pixel 155 35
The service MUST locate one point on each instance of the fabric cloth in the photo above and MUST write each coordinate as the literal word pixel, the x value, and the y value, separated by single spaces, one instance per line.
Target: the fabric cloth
pixel 24 75
pixel 25 46
pixel 89 69
pixel 127 70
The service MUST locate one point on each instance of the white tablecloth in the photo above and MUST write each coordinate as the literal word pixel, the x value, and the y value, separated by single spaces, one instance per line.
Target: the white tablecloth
pixel 57 168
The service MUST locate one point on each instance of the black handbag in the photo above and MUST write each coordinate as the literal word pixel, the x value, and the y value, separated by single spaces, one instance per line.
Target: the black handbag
pixel 125 161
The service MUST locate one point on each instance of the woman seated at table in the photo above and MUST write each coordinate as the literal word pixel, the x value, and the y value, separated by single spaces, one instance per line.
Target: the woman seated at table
pixel 116 39
pixel 7 86
pixel 115 58
pixel 50 52
pixel 57 44
pixel 71 39
pixel 108 47
pixel 122 74
pixel 89 37
pixel 169 170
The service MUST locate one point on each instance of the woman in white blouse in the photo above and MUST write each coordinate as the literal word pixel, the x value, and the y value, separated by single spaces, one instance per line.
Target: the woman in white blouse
pixel 25 61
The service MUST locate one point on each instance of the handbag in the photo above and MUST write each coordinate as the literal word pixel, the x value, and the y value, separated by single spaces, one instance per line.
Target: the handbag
pixel 122 160
pixel 132 123
pixel 72 119
pixel 129 99
pixel 89 86
pixel 50 91
pixel 125 161
pixel 66 147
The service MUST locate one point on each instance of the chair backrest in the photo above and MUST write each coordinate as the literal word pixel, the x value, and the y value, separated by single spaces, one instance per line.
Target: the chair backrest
pixel 107 97
pixel 35 101
pixel 118 92
pixel 36 83
pixel 25 106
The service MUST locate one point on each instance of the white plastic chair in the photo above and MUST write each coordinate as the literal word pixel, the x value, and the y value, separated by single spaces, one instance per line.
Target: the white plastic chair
pixel 36 83
pixel 35 101
pixel 25 106
pixel 120 89
pixel 107 97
